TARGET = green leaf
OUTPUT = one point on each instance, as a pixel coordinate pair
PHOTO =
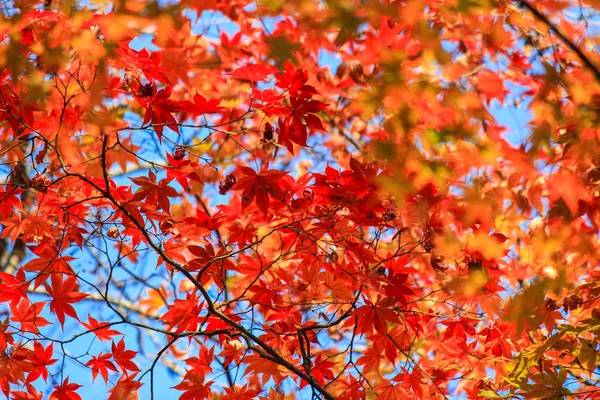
(488, 394)
(281, 49)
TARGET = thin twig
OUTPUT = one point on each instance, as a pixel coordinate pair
(582, 56)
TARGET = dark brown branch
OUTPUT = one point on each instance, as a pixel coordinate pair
(582, 56)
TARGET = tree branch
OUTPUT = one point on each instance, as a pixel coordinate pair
(582, 56)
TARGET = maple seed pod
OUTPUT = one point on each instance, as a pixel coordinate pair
(427, 246)
(39, 182)
(39, 158)
(389, 215)
(166, 225)
(379, 271)
(225, 186)
(551, 304)
(486, 384)
(353, 69)
(321, 77)
(522, 201)
(436, 262)
(146, 90)
(113, 233)
(572, 302)
(268, 133)
(308, 195)
(179, 153)
(474, 265)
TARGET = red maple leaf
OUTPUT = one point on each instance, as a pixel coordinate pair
(232, 351)
(322, 370)
(13, 288)
(49, 261)
(125, 389)
(295, 128)
(123, 357)
(202, 106)
(496, 341)
(194, 387)
(352, 388)
(201, 364)
(371, 358)
(230, 42)
(375, 316)
(294, 81)
(252, 266)
(182, 170)
(240, 393)
(31, 394)
(259, 186)
(9, 201)
(100, 364)
(159, 110)
(66, 391)
(271, 102)
(13, 226)
(100, 329)
(42, 358)
(388, 391)
(491, 86)
(154, 193)
(184, 314)
(242, 233)
(459, 328)
(253, 72)
(28, 315)
(263, 294)
(143, 60)
(63, 294)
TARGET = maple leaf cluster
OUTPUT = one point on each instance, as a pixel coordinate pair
(304, 199)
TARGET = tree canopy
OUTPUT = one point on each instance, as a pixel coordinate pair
(299, 199)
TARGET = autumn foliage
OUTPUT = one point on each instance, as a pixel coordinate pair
(299, 199)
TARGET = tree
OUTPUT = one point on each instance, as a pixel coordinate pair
(299, 199)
